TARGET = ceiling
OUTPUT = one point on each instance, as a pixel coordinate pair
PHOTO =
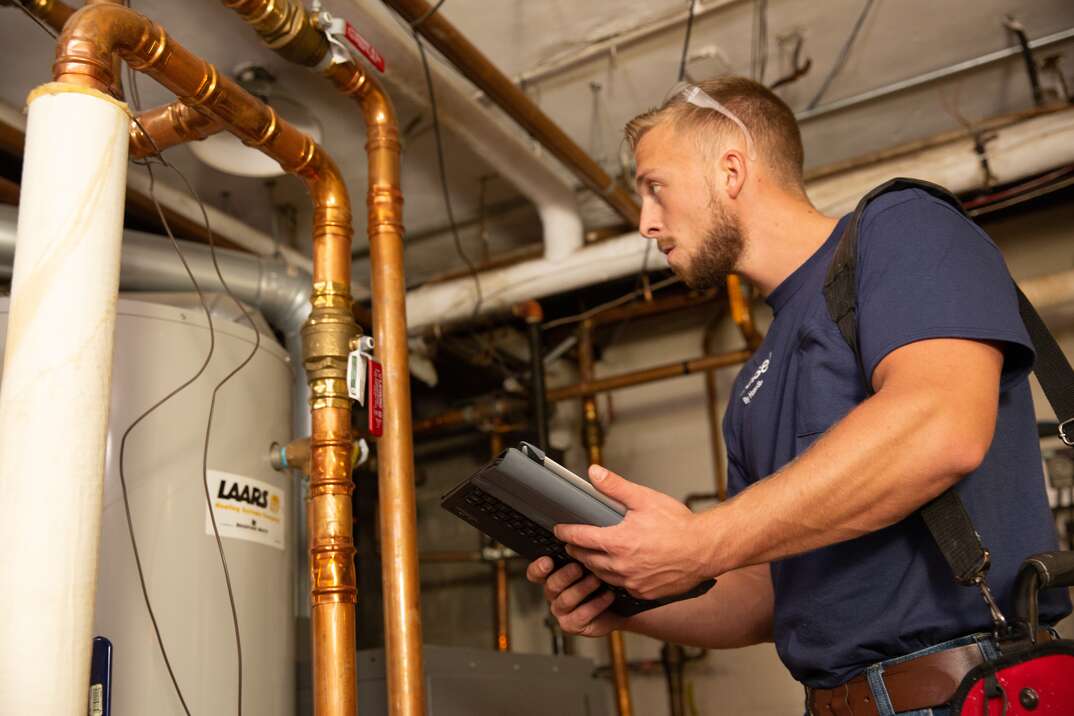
(592, 99)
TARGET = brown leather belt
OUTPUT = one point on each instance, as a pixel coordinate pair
(920, 683)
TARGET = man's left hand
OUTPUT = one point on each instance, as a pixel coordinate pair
(656, 551)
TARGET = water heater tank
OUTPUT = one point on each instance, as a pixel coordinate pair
(157, 348)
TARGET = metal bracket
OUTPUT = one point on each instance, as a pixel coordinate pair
(1066, 432)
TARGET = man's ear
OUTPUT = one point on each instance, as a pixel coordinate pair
(733, 168)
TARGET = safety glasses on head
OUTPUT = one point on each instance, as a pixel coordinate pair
(696, 96)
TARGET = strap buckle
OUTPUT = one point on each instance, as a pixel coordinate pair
(1066, 432)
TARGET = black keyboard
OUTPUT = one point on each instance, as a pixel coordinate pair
(514, 530)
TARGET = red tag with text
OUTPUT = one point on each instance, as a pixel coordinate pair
(362, 45)
(376, 398)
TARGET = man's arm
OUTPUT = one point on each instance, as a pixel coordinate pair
(736, 612)
(929, 423)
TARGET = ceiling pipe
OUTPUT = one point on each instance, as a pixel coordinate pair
(1024, 148)
(294, 33)
(91, 38)
(499, 88)
(510, 153)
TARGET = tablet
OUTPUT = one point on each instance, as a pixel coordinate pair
(522, 494)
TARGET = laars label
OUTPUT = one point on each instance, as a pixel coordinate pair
(246, 509)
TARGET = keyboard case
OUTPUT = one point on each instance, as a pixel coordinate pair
(517, 501)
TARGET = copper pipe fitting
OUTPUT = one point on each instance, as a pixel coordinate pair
(286, 27)
(170, 125)
(529, 311)
(593, 437)
(91, 40)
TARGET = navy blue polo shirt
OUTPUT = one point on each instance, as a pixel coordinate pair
(924, 271)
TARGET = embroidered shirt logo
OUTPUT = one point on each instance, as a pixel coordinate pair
(755, 382)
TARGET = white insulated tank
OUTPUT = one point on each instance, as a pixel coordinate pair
(157, 348)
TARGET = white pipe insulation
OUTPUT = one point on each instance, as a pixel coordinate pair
(55, 394)
(516, 158)
(1022, 149)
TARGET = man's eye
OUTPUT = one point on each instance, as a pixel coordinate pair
(655, 188)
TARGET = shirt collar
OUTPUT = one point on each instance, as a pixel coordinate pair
(790, 285)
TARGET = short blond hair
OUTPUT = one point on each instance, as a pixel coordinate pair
(769, 119)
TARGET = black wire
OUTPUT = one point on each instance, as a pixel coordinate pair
(440, 159)
(428, 13)
(686, 40)
(843, 54)
(29, 13)
(136, 102)
(143, 416)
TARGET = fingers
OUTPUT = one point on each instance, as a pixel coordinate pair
(539, 569)
(573, 595)
(561, 579)
(583, 620)
(586, 536)
(618, 487)
(599, 563)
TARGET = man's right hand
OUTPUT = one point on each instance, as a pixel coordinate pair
(565, 589)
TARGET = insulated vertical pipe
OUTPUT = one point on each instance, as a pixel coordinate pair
(55, 394)
(593, 437)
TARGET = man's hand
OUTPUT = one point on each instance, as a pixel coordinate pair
(565, 589)
(656, 551)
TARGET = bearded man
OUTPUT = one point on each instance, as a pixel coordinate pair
(820, 549)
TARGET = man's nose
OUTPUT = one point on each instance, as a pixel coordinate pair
(650, 225)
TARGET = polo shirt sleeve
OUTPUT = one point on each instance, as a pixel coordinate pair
(926, 271)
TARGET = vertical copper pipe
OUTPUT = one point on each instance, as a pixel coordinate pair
(92, 37)
(288, 28)
(500, 590)
(593, 437)
(395, 455)
(741, 313)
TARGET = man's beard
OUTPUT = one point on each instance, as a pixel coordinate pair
(719, 252)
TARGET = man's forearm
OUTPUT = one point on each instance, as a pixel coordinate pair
(736, 612)
(890, 455)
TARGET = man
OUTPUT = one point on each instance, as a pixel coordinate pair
(819, 549)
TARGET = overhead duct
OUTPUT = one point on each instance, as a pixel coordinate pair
(516, 158)
(149, 263)
(1020, 149)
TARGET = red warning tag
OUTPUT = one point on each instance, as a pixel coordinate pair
(362, 45)
(376, 398)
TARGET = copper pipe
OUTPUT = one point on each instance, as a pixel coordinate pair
(712, 412)
(533, 314)
(648, 375)
(645, 309)
(91, 39)
(501, 595)
(511, 99)
(289, 29)
(593, 437)
(167, 126)
(741, 313)
(480, 413)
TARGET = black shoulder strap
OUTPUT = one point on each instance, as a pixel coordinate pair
(946, 516)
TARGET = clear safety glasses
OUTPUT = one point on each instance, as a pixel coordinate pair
(696, 96)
